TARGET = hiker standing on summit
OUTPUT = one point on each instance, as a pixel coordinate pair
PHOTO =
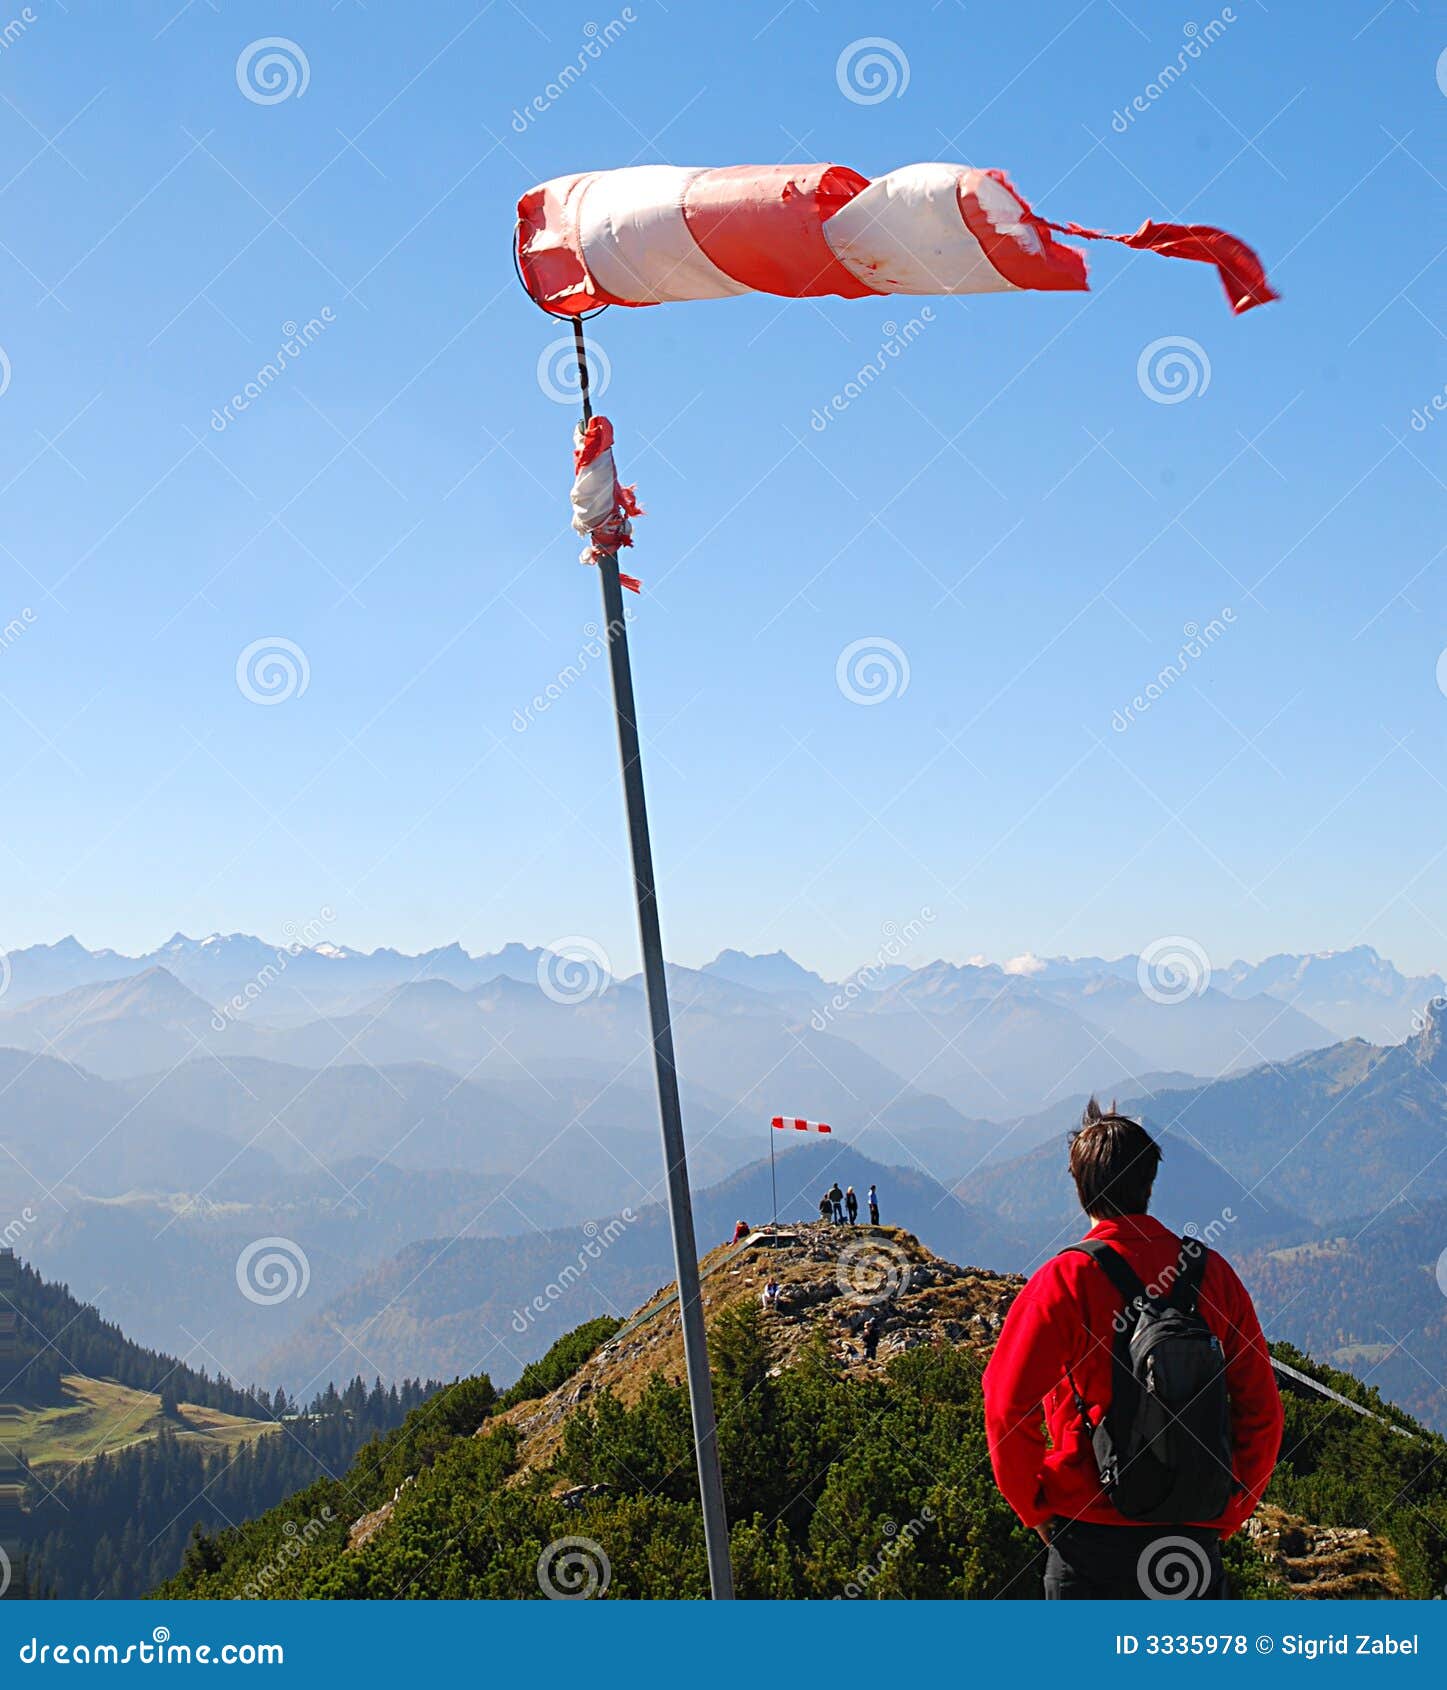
(836, 1199)
(851, 1205)
(1146, 1356)
(873, 1207)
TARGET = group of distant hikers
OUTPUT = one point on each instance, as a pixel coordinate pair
(1131, 1409)
(835, 1204)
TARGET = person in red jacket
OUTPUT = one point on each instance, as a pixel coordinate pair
(1061, 1327)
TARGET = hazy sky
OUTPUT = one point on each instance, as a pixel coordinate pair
(1008, 503)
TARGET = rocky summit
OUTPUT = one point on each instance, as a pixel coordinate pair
(872, 1292)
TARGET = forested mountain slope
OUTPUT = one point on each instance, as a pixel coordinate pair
(111, 1453)
(854, 1458)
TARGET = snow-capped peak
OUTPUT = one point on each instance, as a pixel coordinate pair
(1028, 963)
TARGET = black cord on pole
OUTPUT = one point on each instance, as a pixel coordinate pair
(581, 348)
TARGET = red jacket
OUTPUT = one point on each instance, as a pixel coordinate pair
(1064, 1316)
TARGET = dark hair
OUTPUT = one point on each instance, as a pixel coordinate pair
(1113, 1161)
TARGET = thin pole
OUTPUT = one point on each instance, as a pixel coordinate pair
(773, 1182)
(670, 1114)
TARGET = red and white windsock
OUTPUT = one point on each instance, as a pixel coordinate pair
(655, 233)
(802, 1126)
(603, 508)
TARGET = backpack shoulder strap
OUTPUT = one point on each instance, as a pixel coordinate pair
(1123, 1386)
(1117, 1269)
(1190, 1266)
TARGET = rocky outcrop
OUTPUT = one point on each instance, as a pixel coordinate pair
(871, 1293)
(1322, 1562)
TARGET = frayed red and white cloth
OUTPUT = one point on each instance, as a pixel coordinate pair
(603, 508)
(656, 232)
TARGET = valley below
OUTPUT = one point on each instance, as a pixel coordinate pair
(385, 1170)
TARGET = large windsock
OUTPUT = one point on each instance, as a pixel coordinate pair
(656, 233)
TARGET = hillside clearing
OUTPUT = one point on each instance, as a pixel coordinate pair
(99, 1416)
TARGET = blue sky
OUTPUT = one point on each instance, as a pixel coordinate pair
(1006, 504)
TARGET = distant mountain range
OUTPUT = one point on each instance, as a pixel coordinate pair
(160, 1113)
(992, 1041)
(1347, 1131)
(1354, 993)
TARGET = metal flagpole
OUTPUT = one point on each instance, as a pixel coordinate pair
(773, 1182)
(680, 1204)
